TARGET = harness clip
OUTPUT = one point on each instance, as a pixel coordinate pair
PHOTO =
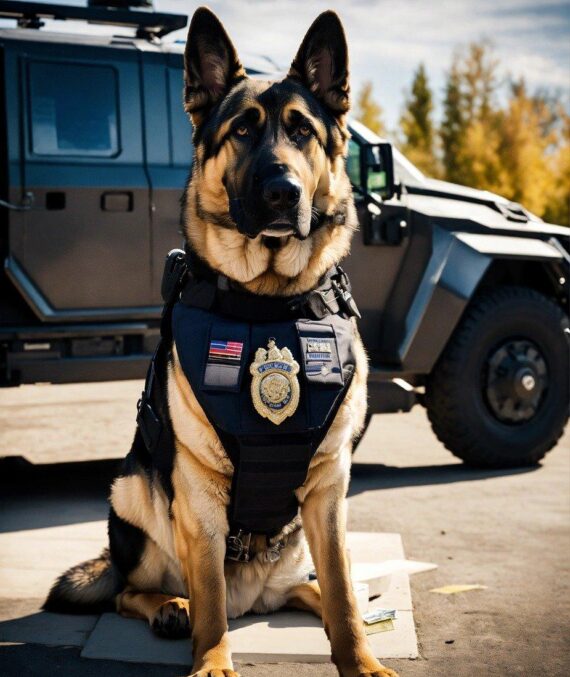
(345, 300)
(237, 547)
(175, 269)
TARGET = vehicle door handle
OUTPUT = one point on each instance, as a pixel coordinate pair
(25, 205)
(114, 201)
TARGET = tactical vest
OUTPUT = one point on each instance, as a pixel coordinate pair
(239, 352)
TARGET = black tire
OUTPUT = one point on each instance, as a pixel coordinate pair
(460, 399)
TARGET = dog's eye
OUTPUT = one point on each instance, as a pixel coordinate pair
(242, 130)
(305, 130)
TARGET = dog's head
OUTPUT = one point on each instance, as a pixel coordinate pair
(269, 203)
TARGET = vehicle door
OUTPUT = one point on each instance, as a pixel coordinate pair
(169, 154)
(376, 261)
(83, 250)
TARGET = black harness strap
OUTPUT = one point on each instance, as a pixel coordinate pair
(153, 420)
(206, 289)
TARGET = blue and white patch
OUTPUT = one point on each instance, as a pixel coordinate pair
(319, 350)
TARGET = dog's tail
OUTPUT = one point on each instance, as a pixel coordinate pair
(86, 588)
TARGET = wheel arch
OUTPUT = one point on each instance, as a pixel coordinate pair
(462, 265)
(541, 276)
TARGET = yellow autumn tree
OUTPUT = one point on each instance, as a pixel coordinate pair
(368, 111)
(477, 160)
(526, 136)
(417, 125)
(557, 209)
(515, 143)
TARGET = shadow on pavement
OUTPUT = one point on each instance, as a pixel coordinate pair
(20, 477)
(31, 660)
(84, 486)
(371, 476)
(56, 494)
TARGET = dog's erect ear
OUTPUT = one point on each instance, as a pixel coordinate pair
(211, 64)
(321, 63)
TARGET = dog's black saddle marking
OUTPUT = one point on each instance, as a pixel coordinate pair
(216, 329)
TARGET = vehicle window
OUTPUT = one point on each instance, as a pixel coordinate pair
(375, 180)
(353, 163)
(73, 109)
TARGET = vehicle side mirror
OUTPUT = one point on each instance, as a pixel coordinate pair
(370, 167)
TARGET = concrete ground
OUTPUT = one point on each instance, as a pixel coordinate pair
(507, 530)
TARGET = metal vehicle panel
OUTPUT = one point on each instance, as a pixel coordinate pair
(89, 219)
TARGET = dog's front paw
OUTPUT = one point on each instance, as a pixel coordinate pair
(383, 672)
(368, 670)
(216, 672)
(172, 620)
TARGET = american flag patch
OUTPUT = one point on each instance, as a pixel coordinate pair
(225, 351)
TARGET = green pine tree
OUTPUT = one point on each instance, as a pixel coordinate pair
(453, 124)
(417, 126)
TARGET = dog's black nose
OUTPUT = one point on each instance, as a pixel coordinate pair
(282, 192)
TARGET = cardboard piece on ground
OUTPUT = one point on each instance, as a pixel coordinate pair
(285, 636)
(398, 596)
(362, 571)
(49, 629)
(362, 594)
(372, 574)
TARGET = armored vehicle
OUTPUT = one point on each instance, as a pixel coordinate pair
(463, 294)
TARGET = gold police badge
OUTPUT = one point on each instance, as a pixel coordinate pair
(274, 387)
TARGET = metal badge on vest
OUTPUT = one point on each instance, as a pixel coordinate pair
(274, 386)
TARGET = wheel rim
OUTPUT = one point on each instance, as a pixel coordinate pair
(516, 381)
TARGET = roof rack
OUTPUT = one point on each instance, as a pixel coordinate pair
(148, 25)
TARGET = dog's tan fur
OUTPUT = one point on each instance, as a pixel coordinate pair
(185, 542)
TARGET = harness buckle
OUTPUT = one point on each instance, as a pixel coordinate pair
(273, 552)
(237, 546)
(345, 299)
(175, 269)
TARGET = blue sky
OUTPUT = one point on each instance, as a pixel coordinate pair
(388, 38)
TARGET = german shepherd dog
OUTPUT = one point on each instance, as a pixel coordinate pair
(277, 150)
